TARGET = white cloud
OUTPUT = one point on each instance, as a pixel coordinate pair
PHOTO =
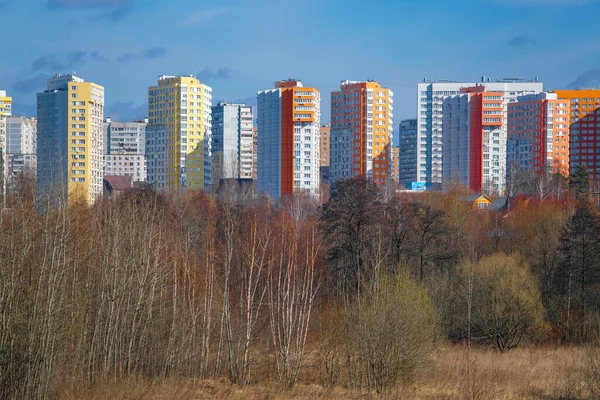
(204, 16)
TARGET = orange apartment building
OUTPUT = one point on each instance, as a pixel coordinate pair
(584, 129)
(538, 134)
(288, 142)
(361, 131)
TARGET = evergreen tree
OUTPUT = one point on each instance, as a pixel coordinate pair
(580, 181)
(579, 272)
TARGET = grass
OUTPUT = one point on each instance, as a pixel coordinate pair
(455, 373)
(524, 373)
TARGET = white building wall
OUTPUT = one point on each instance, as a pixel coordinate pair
(456, 133)
(96, 122)
(126, 165)
(430, 118)
(156, 156)
(340, 153)
(21, 146)
(246, 121)
(232, 142)
(307, 138)
(430, 127)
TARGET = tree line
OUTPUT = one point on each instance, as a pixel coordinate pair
(231, 285)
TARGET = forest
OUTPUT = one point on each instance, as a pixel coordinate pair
(373, 294)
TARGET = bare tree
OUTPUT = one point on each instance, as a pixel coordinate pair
(349, 220)
(292, 287)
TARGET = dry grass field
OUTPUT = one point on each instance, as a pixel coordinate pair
(454, 373)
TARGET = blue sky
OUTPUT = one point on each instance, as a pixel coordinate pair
(241, 46)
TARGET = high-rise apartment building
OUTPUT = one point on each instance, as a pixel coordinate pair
(183, 106)
(254, 152)
(21, 146)
(407, 153)
(156, 156)
(125, 148)
(288, 139)
(70, 115)
(584, 134)
(325, 143)
(5, 112)
(324, 166)
(430, 99)
(474, 133)
(232, 142)
(361, 131)
(395, 165)
(5, 104)
(538, 134)
(124, 137)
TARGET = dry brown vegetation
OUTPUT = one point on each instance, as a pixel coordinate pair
(371, 295)
(525, 373)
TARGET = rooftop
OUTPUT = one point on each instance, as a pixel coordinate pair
(289, 83)
(487, 79)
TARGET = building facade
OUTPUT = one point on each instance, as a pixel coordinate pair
(475, 140)
(361, 131)
(325, 160)
(584, 133)
(70, 115)
(430, 100)
(121, 164)
(21, 146)
(232, 142)
(125, 149)
(254, 152)
(538, 134)
(156, 156)
(407, 153)
(5, 112)
(182, 104)
(288, 139)
(5, 104)
(127, 137)
(395, 165)
(325, 143)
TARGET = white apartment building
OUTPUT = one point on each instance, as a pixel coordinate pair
(5, 111)
(430, 98)
(156, 156)
(21, 146)
(232, 142)
(124, 149)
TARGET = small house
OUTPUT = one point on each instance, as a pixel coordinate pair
(478, 201)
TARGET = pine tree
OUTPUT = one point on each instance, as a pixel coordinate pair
(579, 270)
(580, 181)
